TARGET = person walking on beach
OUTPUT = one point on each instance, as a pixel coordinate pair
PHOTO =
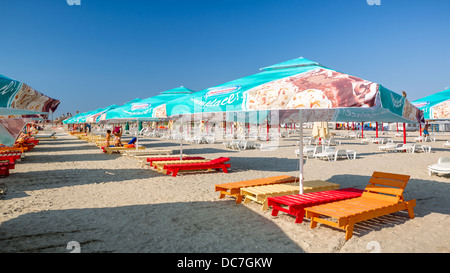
(425, 131)
(118, 137)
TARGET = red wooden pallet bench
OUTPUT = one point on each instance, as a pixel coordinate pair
(5, 166)
(218, 163)
(11, 158)
(152, 159)
(298, 202)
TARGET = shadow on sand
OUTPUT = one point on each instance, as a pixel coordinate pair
(189, 227)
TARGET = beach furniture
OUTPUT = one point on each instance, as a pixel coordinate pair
(443, 166)
(147, 152)
(218, 163)
(295, 204)
(447, 144)
(388, 147)
(110, 150)
(51, 136)
(160, 163)
(234, 188)
(332, 154)
(5, 166)
(11, 158)
(161, 166)
(382, 196)
(173, 158)
(261, 193)
(409, 148)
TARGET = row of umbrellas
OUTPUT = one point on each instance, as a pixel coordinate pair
(19, 103)
(298, 90)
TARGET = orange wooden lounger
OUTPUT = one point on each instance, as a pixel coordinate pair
(383, 195)
(234, 188)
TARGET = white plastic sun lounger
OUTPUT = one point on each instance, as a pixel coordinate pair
(443, 166)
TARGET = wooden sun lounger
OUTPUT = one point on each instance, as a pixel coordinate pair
(261, 193)
(172, 158)
(5, 166)
(296, 204)
(148, 152)
(234, 188)
(383, 195)
(110, 150)
(218, 163)
(161, 166)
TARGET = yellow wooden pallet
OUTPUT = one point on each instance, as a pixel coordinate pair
(110, 150)
(260, 193)
(149, 152)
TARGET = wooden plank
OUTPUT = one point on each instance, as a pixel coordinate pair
(388, 182)
(385, 190)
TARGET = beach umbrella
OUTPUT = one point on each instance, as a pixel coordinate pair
(10, 130)
(435, 106)
(18, 95)
(301, 90)
(150, 109)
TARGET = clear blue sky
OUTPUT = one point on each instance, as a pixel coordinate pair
(107, 52)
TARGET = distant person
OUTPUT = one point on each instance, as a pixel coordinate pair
(118, 137)
(108, 137)
(425, 131)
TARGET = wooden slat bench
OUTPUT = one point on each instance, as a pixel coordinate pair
(296, 204)
(383, 195)
(261, 193)
(234, 188)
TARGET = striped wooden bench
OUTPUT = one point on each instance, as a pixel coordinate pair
(234, 188)
(261, 193)
(295, 204)
(383, 195)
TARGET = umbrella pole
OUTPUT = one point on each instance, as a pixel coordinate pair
(362, 129)
(377, 128)
(404, 133)
(301, 153)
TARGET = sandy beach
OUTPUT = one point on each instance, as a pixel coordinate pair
(67, 190)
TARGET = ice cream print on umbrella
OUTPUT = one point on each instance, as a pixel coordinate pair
(318, 88)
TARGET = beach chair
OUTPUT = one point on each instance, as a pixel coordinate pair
(159, 165)
(110, 150)
(260, 194)
(51, 136)
(234, 188)
(447, 144)
(295, 204)
(154, 159)
(383, 196)
(388, 147)
(327, 153)
(442, 167)
(409, 148)
(218, 163)
(5, 166)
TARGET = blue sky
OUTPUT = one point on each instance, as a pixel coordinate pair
(106, 52)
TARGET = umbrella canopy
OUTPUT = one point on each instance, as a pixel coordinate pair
(146, 109)
(300, 90)
(300, 83)
(10, 130)
(435, 106)
(15, 94)
(95, 116)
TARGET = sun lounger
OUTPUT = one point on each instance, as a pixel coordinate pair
(447, 144)
(383, 195)
(147, 152)
(388, 147)
(11, 158)
(261, 193)
(155, 159)
(110, 150)
(160, 165)
(234, 188)
(443, 166)
(296, 204)
(52, 136)
(218, 163)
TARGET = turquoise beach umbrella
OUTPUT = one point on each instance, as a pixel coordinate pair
(299, 90)
(435, 106)
(145, 109)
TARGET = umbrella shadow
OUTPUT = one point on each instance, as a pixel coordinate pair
(32, 180)
(179, 227)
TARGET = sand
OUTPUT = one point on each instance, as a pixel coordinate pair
(67, 190)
